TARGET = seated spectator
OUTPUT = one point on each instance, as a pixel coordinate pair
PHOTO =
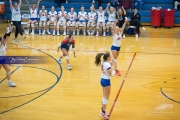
(127, 6)
(114, 3)
(138, 4)
(135, 21)
(176, 3)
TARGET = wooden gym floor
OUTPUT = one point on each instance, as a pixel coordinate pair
(148, 89)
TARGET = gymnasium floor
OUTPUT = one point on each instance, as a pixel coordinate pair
(148, 89)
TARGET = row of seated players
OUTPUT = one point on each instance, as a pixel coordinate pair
(62, 18)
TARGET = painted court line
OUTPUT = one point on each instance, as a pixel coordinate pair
(121, 85)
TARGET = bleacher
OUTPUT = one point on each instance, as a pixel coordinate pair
(145, 13)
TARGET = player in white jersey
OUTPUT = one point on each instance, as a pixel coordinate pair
(82, 16)
(107, 73)
(52, 20)
(33, 17)
(117, 39)
(62, 20)
(72, 16)
(101, 19)
(91, 21)
(111, 19)
(16, 18)
(3, 63)
(43, 19)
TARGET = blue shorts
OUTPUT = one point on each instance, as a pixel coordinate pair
(115, 48)
(67, 48)
(33, 19)
(105, 82)
(81, 21)
(71, 20)
(2, 61)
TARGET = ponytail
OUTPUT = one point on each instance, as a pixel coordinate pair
(98, 58)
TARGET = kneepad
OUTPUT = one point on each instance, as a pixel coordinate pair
(8, 73)
(67, 57)
(115, 60)
(104, 101)
(32, 25)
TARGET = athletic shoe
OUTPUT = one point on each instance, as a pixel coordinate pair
(67, 32)
(27, 32)
(32, 33)
(136, 35)
(23, 36)
(16, 40)
(11, 84)
(43, 33)
(48, 32)
(77, 32)
(39, 33)
(84, 33)
(88, 32)
(64, 34)
(97, 34)
(73, 32)
(69, 67)
(92, 32)
(54, 33)
(104, 115)
(104, 34)
(107, 33)
(58, 33)
(124, 36)
(59, 60)
(143, 28)
(118, 73)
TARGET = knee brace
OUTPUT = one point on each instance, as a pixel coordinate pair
(115, 60)
(32, 25)
(67, 57)
(104, 101)
(8, 73)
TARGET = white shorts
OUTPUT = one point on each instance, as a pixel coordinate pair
(101, 21)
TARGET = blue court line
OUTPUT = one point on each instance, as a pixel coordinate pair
(11, 74)
(168, 97)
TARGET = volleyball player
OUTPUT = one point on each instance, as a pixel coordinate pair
(82, 16)
(43, 20)
(3, 48)
(91, 21)
(111, 18)
(72, 16)
(107, 73)
(64, 45)
(16, 18)
(101, 19)
(62, 20)
(117, 39)
(52, 20)
(33, 17)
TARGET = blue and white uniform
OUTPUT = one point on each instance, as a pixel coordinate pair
(117, 40)
(101, 16)
(33, 14)
(105, 76)
(62, 18)
(84, 15)
(72, 16)
(112, 17)
(43, 16)
(52, 15)
(91, 16)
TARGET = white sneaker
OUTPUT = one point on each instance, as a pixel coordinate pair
(54, 33)
(23, 36)
(64, 34)
(124, 36)
(39, 33)
(77, 32)
(92, 32)
(48, 32)
(57, 33)
(67, 32)
(97, 34)
(69, 67)
(59, 60)
(104, 34)
(16, 40)
(88, 32)
(84, 33)
(32, 33)
(11, 84)
(136, 35)
(143, 28)
(73, 32)
(27, 32)
(43, 33)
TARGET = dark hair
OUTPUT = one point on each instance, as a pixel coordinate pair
(0, 38)
(98, 58)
